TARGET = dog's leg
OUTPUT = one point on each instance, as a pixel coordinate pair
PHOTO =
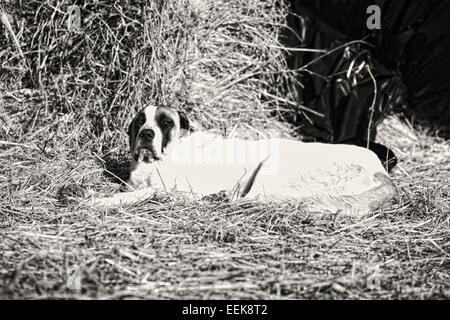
(348, 204)
(74, 192)
(358, 204)
(373, 199)
(122, 199)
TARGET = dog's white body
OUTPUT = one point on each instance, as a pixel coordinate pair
(326, 177)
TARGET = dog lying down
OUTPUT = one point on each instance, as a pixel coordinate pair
(325, 177)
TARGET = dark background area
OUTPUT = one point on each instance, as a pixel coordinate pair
(409, 57)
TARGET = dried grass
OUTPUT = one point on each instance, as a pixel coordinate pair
(217, 62)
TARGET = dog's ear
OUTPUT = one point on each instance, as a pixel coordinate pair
(130, 127)
(184, 121)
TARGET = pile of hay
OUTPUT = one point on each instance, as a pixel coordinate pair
(221, 61)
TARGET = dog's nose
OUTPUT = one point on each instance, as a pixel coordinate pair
(148, 134)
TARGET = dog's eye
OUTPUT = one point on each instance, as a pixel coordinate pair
(139, 121)
(166, 123)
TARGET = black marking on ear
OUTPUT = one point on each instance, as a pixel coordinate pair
(130, 127)
(137, 122)
(184, 121)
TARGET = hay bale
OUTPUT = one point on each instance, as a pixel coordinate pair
(221, 61)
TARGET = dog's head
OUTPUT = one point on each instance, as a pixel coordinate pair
(152, 130)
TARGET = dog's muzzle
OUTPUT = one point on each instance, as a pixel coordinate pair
(145, 149)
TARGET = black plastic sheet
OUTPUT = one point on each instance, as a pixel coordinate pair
(408, 57)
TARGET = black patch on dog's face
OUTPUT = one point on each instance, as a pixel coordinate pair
(169, 122)
(135, 126)
(167, 125)
(184, 121)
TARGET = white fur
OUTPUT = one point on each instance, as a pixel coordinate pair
(324, 176)
(150, 123)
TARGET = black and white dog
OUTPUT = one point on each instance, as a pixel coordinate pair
(166, 157)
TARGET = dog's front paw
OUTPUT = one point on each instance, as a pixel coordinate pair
(70, 193)
(221, 196)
